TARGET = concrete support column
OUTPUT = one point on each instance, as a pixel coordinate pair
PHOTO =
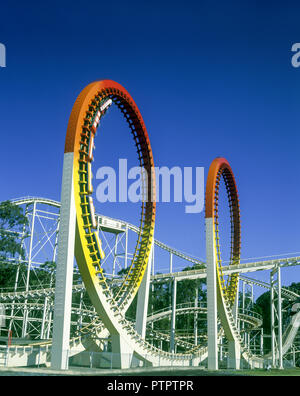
(234, 355)
(121, 352)
(143, 302)
(64, 272)
(212, 324)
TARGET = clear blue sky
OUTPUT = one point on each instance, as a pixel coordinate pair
(210, 78)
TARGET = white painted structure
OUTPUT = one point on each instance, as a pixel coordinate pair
(287, 337)
(211, 271)
(64, 272)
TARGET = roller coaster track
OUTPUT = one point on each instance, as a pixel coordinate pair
(28, 348)
(96, 327)
(88, 110)
(107, 219)
(35, 293)
(226, 292)
(25, 350)
(80, 134)
(251, 317)
(191, 274)
(290, 333)
(289, 294)
(198, 273)
(237, 268)
(248, 316)
(163, 277)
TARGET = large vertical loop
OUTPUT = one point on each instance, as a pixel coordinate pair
(220, 168)
(90, 106)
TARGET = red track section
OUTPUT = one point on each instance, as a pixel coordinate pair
(85, 117)
(220, 168)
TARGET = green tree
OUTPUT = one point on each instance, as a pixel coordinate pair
(13, 222)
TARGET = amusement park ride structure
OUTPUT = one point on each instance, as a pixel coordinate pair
(75, 227)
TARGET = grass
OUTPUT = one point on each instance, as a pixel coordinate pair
(146, 372)
(274, 372)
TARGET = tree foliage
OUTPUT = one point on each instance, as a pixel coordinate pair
(13, 223)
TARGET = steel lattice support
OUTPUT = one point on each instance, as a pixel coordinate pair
(276, 317)
(173, 317)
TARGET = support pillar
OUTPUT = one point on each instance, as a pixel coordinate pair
(170, 271)
(115, 255)
(173, 317)
(64, 272)
(276, 318)
(18, 270)
(143, 302)
(171, 263)
(235, 308)
(196, 317)
(280, 350)
(243, 310)
(126, 246)
(121, 352)
(45, 310)
(25, 317)
(212, 324)
(234, 355)
(262, 341)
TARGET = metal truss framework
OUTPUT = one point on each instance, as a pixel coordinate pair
(221, 297)
(38, 297)
(108, 281)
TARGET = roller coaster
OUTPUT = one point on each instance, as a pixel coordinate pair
(78, 310)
